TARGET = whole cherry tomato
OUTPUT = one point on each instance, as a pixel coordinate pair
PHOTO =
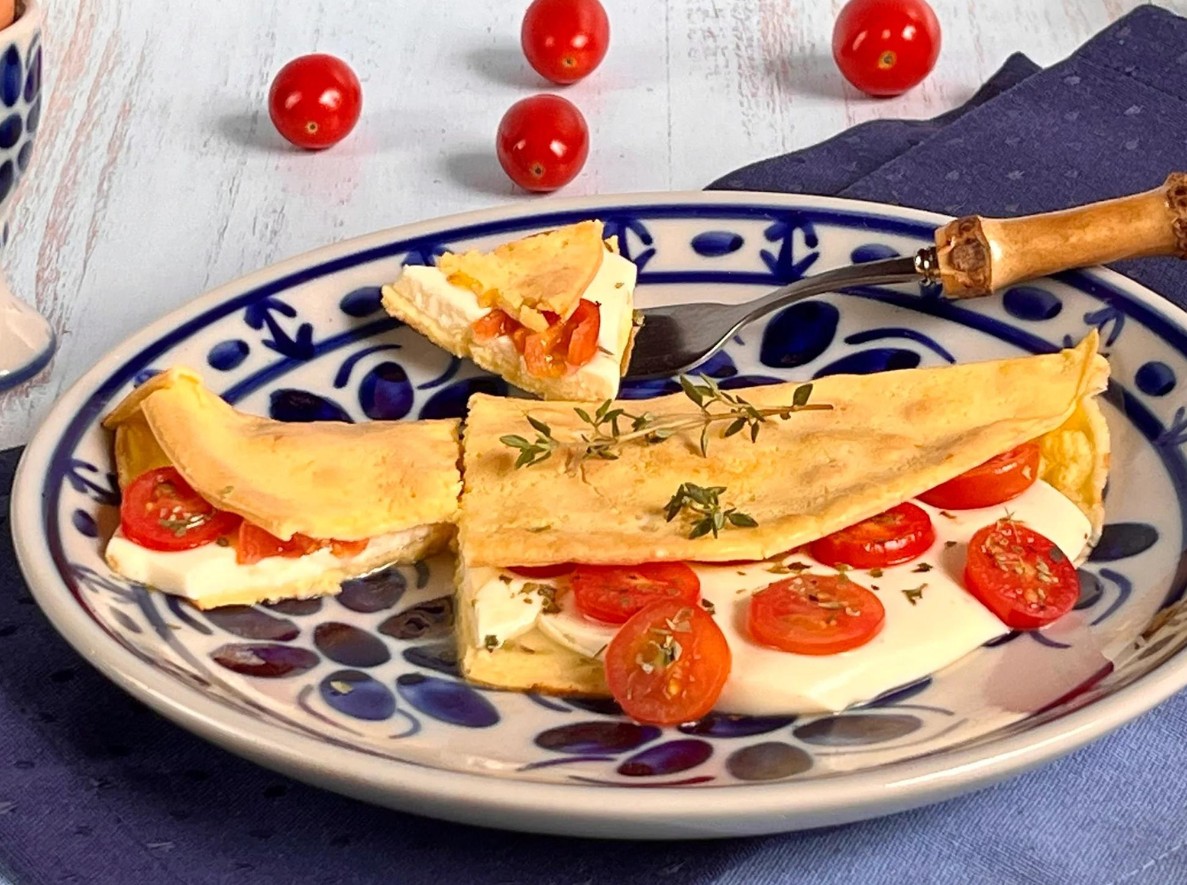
(884, 47)
(564, 40)
(315, 101)
(543, 142)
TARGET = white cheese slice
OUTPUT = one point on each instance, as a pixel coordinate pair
(505, 606)
(944, 623)
(210, 570)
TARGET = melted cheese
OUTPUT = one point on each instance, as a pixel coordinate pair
(944, 623)
(208, 571)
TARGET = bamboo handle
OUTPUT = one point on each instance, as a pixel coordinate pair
(978, 255)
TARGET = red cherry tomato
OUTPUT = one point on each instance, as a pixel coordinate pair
(493, 325)
(668, 663)
(543, 142)
(898, 535)
(814, 615)
(583, 327)
(161, 511)
(315, 101)
(1020, 576)
(551, 353)
(564, 40)
(884, 47)
(999, 479)
(612, 593)
(254, 544)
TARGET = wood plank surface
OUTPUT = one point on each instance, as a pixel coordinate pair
(158, 175)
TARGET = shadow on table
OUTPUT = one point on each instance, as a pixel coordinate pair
(505, 64)
(251, 129)
(478, 170)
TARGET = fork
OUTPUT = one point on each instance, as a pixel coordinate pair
(972, 256)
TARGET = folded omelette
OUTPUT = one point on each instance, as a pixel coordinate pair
(885, 439)
(393, 484)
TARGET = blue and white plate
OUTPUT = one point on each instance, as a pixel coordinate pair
(360, 693)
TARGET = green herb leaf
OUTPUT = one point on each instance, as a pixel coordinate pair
(915, 594)
(604, 438)
(735, 427)
(704, 504)
(539, 425)
(693, 392)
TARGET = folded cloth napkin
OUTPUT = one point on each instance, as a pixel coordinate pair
(1109, 120)
(96, 788)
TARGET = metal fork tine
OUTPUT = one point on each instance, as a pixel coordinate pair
(677, 337)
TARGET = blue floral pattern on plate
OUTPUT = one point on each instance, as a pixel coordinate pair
(374, 671)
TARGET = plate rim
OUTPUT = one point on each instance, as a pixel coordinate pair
(556, 808)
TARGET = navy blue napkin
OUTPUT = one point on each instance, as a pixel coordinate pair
(94, 787)
(1110, 120)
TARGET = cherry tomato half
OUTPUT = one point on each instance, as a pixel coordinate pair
(668, 663)
(564, 40)
(613, 593)
(884, 47)
(999, 479)
(254, 544)
(1020, 576)
(814, 615)
(315, 101)
(542, 142)
(583, 326)
(161, 511)
(898, 535)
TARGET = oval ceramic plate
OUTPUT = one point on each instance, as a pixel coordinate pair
(359, 693)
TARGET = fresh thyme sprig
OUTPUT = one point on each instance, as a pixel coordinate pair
(532, 451)
(607, 432)
(709, 515)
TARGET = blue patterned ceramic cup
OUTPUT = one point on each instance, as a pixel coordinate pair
(26, 340)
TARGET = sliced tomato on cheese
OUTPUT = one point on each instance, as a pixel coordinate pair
(493, 325)
(814, 615)
(544, 352)
(898, 535)
(613, 593)
(551, 353)
(1020, 575)
(254, 544)
(161, 511)
(996, 481)
(585, 325)
(668, 663)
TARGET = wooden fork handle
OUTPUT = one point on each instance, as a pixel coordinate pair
(976, 255)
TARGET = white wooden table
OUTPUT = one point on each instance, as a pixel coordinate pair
(158, 174)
